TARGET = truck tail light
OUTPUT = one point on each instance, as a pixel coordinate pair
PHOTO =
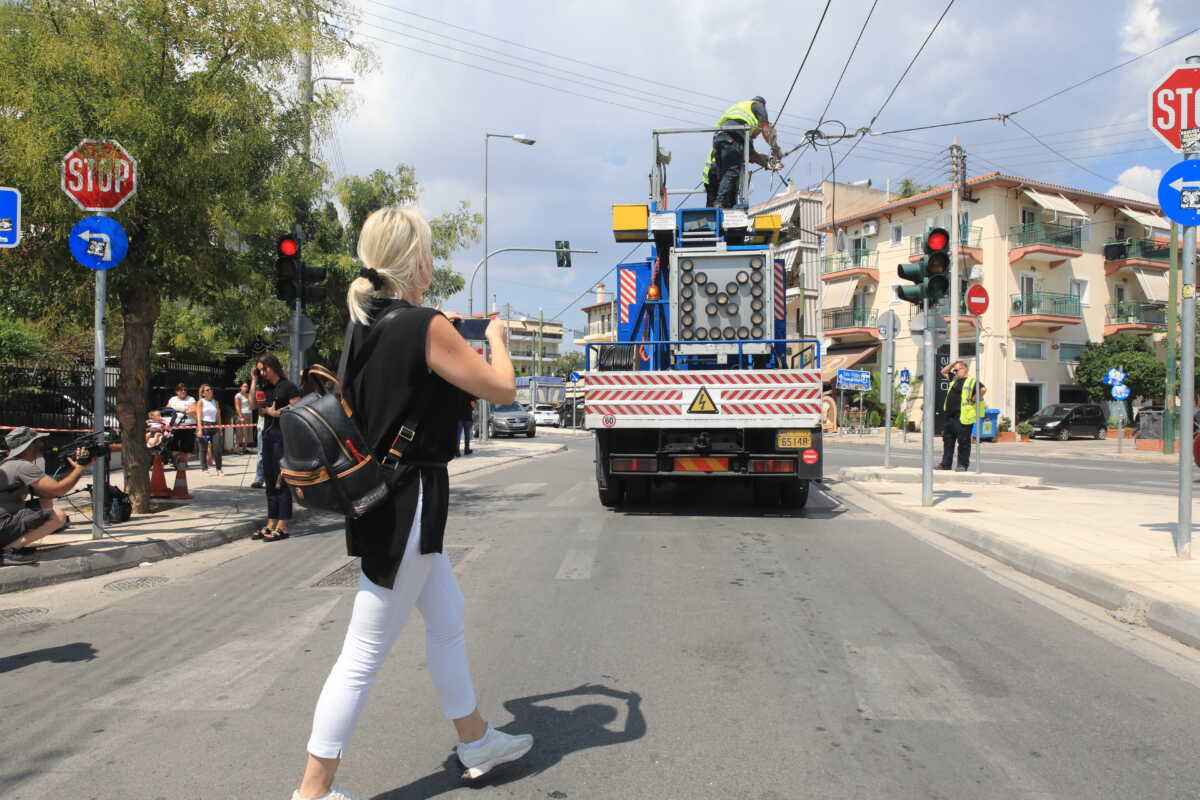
(634, 464)
(772, 465)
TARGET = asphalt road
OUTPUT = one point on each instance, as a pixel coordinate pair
(1125, 476)
(723, 651)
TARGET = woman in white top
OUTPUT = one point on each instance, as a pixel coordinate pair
(244, 413)
(208, 432)
(183, 442)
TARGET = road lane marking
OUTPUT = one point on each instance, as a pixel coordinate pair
(231, 677)
(577, 565)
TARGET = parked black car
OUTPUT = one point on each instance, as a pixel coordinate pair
(1064, 420)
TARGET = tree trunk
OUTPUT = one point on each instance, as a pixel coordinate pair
(140, 306)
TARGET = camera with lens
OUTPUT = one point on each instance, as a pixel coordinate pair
(95, 444)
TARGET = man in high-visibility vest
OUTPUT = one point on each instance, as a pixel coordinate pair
(723, 171)
(962, 406)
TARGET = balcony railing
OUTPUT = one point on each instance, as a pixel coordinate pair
(852, 259)
(967, 237)
(1146, 249)
(1059, 305)
(1045, 233)
(1136, 311)
(847, 318)
(943, 306)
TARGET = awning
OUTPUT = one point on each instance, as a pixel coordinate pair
(838, 294)
(1146, 218)
(1154, 284)
(1055, 202)
(844, 357)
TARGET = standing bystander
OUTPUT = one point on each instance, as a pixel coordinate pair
(183, 442)
(278, 395)
(961, 407)
(208, 430)
(243, 414)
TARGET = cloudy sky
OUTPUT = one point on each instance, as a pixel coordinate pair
(590, 80)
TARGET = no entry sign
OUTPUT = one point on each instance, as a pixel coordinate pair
(99, 175)
(977, 300)
(1175, 105)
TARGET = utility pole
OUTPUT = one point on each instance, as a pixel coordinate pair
(956, 180)
(1169, 417)
(541, 341)
(928, 402)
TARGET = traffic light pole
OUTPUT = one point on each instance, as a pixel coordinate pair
(955, 248)
(929, 371)
(294, 365)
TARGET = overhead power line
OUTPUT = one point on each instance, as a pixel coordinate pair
(804, 60)
(1060, 155)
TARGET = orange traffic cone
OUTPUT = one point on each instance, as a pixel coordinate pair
(158, 478)
(180, 492)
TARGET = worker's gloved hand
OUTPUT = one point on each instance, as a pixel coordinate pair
(774, 164)
(776, 153)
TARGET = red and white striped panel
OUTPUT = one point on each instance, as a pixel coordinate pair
(726, 378)
(730, 395)
(770, 408)
(634, 395)
(635, 410)
(780, 289)
(626, 292)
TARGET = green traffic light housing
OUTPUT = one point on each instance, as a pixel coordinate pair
(931, 275)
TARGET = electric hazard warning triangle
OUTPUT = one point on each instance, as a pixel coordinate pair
(702, 403)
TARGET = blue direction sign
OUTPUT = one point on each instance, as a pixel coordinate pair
(1120, 392)
(575, 376)
(99, 242)
(1114, 377)
(905, 376)
(856, 380)
(1179, 193)
(10, 217)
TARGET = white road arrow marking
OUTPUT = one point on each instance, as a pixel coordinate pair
(87, 236)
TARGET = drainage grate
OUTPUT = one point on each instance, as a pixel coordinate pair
(15, 616)
(131, 584)
(348, 574)
(963, 510)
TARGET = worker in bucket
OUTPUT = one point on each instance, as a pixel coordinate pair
(722, 173)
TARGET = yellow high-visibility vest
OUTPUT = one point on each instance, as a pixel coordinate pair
(968, 412)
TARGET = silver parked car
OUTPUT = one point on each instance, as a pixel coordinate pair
(510, 420)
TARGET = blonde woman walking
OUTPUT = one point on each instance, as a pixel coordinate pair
(407, 360)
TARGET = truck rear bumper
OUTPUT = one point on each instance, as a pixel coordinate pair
(764, 466)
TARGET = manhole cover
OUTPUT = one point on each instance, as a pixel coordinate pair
(130, 584)
(15, 616)
(963, 510)
(348, 574)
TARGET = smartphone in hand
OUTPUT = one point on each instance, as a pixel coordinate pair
(472, 329)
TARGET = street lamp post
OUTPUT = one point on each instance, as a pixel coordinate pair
(520, 138)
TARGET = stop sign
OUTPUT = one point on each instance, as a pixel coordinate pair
(1175, 105)
(99, 175)
(977, 300)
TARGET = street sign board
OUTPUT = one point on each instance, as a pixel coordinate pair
(308, 332)
(99, 175)
(574, 378)
(904, 389)
(10, 217)
(888, 324)
(905, 375)
(1175, 105)
(977, 300)
(98, 242)
(1114, 377)
(1120, 392)
(1179, 193)
(856, 380)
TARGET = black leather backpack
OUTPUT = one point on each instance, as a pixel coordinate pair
(327, 461)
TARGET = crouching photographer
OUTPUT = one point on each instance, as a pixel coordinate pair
(22, 473)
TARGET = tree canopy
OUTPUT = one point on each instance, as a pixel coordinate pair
(1146, 376)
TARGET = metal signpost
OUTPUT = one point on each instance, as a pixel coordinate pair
(977, 304)
(1175, 118)
(10, 217)
(99, 176)
(1115, 378)
(888, 324)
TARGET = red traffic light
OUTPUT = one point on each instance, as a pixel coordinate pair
(936, 239)
(287, 246)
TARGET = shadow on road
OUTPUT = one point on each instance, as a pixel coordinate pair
(556, 733)
(62, 654)
(701, 497)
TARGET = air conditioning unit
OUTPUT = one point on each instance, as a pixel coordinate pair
(870, 228)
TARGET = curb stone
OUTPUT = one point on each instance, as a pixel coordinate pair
(61, 570)
(1180, 621)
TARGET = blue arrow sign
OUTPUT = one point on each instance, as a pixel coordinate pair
(10, 217)
(99, 242)
(854, 379)
(575, 376)
(1114, 377)
(905, 376)
(1179, 193)
(1120, 392)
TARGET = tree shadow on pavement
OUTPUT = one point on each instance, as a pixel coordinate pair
(61, 654)
(556, 734)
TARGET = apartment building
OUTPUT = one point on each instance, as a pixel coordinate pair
(1038, 249)
(799, 245)
(532, 345)
(601, 319)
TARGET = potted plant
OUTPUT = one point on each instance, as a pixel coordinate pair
(1024, 430)
(1004, 431)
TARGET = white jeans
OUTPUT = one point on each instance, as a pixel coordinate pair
(424, 581)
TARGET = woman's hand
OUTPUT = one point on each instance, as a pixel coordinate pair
(449, 355)
(497, 334)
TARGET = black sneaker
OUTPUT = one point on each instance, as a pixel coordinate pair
(256, 485)
(941, 467)
(11, 558)
(960, 468)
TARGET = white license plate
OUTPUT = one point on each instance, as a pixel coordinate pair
(792, 440)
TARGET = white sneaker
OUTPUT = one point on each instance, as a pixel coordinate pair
(334, 794)
(500, 748)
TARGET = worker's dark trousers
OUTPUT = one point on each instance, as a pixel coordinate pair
(955, 431)
(730, 149)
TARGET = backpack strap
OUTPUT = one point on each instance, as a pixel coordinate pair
(408, 429)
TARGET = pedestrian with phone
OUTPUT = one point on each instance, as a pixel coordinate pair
(407, 364)
(273, 393)
(961, 407)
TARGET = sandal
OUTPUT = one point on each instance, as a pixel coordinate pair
(275, 535)
(261, 532)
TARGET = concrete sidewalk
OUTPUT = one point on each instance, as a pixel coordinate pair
(223, 508)
(1090, 449)
(1095, 544)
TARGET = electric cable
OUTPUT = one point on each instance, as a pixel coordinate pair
(804, 60)
(1063, 157)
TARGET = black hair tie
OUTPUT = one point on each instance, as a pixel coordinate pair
(373, 276)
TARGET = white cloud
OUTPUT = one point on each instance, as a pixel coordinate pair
(1139, 183)
(1144, 28)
